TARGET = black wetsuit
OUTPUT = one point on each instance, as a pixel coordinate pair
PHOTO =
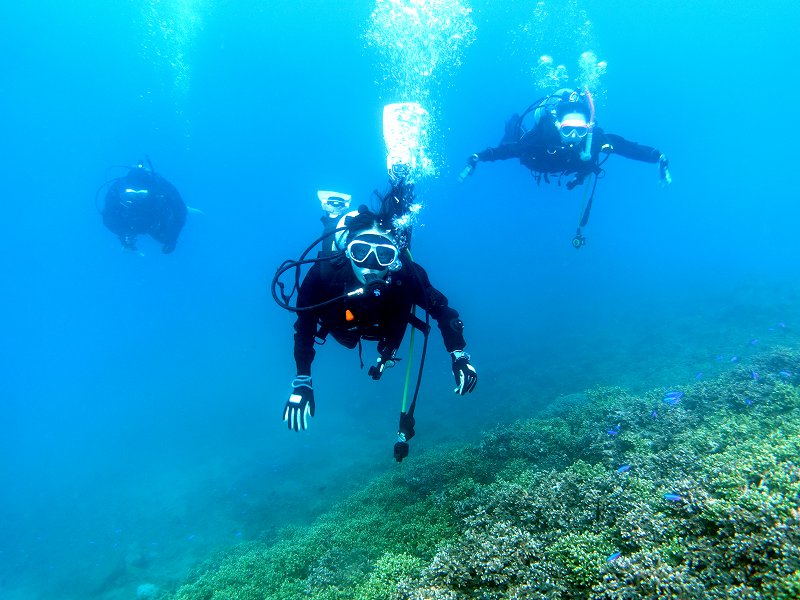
(543, 152)
(382, 317)
(142, 203)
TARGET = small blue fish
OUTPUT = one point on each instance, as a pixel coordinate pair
(754, 342)
(734, 358)
(698, 375)
(614, 556)
(755, 375)
(673, 394)
(748, 401)
(654, 414)
(613, 431)
(785, 374)
(624, 469)
(673, 497)
(672, 400)
(782, 325)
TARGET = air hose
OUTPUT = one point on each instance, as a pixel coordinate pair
(406, 426)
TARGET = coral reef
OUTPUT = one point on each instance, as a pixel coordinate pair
(690, 494)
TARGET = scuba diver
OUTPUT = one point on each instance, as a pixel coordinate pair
(364, 285)
(557, 135)
(142, 202)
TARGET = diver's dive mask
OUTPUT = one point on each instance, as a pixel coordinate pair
(573, 128)
(372, 254)
(360, 249)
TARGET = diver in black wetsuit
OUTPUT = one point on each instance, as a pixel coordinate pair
(142, 202)
(557, 136)
(366, 289)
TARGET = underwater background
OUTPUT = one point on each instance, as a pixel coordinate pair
(142, 394)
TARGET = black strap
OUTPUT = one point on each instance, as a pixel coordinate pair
(405, 428)
(425, 330)
(322, 333)
(588, 209)
(419, 324)
(407, 421)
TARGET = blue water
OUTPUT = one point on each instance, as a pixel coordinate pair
(142, 395)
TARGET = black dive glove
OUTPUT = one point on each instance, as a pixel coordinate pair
(663, 170)
(472, 162)
(300, 404)
(465, 374)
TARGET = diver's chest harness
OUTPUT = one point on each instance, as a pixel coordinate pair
(543, 164)
(370, 312)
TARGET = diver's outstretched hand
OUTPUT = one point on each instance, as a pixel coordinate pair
(468, 169)
(300, 404)
(664, 176)
(465, 374)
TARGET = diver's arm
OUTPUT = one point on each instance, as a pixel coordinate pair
(466, 378)
(502, 152)
(446, 317)
(168, 195)
(619, 145)
(304, 352)
(167, 213)
(305, 327)
(176, 217)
